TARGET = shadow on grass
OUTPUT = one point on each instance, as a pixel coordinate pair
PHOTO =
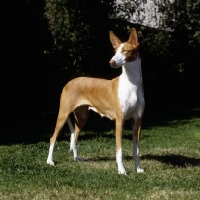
(174, 160)
(177, 161)
(100, 159)
(37, 129)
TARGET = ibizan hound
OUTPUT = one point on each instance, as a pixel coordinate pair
(119, 99)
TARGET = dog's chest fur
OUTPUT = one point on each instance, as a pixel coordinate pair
(130, 89)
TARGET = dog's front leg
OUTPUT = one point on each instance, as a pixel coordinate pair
(119, 127)
(136, 124)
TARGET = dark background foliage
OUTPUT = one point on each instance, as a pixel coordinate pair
(45, 44)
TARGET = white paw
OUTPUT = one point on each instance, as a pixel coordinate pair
(50, 162)
(121, 170)
(78, 159)
(139, 170)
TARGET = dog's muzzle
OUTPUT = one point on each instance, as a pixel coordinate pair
(113, 64)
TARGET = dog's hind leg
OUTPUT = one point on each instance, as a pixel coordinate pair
(136, 125)
(63, 114)
(60, 122)
(81, 115)
(62, 117)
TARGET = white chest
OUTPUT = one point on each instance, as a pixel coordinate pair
(127, 98)
(130, 93)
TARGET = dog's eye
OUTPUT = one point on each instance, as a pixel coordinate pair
(125, 51)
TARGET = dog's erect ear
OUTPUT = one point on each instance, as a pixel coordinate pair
(114, 40)
(133, 38)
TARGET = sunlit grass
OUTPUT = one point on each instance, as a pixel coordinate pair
(170, 156)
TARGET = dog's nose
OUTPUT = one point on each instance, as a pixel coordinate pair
(112, 63)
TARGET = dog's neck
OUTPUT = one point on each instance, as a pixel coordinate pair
(131, 72)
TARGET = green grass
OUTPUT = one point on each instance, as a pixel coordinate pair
(170, 156)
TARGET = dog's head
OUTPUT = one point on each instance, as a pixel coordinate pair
(124, 52)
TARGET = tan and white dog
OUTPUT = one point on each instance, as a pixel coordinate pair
(119, 99)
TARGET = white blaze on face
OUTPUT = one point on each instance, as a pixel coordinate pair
(119, 58)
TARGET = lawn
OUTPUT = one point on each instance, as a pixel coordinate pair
(170, 156)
